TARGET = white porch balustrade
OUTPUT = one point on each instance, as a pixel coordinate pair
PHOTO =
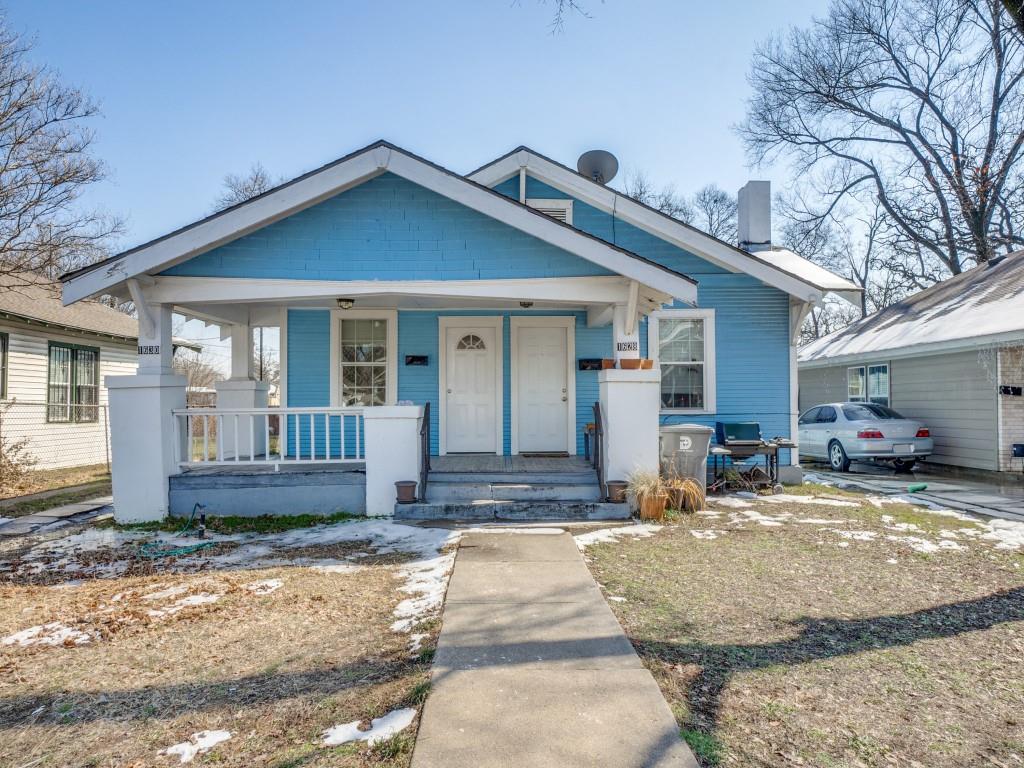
(276, 436)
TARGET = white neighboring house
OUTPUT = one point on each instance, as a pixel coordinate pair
(53, 360)
(951, 356)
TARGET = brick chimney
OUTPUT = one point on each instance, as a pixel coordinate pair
(754, 216)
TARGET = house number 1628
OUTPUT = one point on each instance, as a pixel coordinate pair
(627, 346)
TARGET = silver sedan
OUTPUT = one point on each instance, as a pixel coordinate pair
(844, 432)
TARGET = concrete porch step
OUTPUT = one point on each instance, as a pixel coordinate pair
(578, 476)
(512, 490)
(481, 510)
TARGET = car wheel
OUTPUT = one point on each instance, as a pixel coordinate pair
(904, 465)
(837, 457)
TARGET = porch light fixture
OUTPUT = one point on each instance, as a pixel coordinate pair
(345, 303)
(525, 304)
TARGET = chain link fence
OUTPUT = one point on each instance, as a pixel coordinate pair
(53, 436)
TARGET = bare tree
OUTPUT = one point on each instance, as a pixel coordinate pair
(1016, 10)
(715, 212)
(638, 186)
(241, 187)
(199, 373)
(918, 104)
(46, 163)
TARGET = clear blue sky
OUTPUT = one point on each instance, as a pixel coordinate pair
(193, 90)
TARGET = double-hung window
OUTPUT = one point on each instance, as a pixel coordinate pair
(73, 383)
(682, 341)
(868, 383)
(366, 366)
(4, 353)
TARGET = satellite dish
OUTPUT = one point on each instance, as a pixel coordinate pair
(598, 165)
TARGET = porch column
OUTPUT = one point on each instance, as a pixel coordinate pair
(626, 331)
(630, 402)
(142, 435)
(242, 391)
(392, 446)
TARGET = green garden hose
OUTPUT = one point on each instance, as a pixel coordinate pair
(151, 549)
(917, 487)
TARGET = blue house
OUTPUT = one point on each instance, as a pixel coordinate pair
(450, 331)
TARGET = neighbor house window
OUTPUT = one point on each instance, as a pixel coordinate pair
(868, 383)
(4, 342)
(683, 343)
(366, 355)
(73, 383)
(855, 386)
(878, 383)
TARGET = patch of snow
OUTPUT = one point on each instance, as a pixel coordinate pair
(264, 587)
(816, 521)
(705, 534)
(856, 535)
(203, 598)
(754, 516)
(416, 642)
(729, 501)
(925, 545)
(892, 561)
(1008, 533)
(197, 744)
(381, 729)
(160, 595)
(427, 580)
(792, 498)
(55, 633)
(616, 599)
(610, 535)
(843, 544)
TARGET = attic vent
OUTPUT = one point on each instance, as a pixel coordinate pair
(556, 209)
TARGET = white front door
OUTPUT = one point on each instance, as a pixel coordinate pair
(471, 391)
(542, 388)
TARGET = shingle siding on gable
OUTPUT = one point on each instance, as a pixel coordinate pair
(387, 229)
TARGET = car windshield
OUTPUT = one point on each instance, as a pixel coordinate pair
(868, 412)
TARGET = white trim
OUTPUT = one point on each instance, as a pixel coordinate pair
(342, 175)
(568, 322)
(444, 322)
(545, 204)
(917, 350)
(391, 368)
(282, 374)
(710, 377)
(626, 209)
(999, 415)
(217, 293)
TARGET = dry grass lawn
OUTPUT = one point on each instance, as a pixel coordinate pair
(165, 661)
(816, 635)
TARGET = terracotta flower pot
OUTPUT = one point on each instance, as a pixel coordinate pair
(629, 363)
(406, 490)
(616, 491)
(647, 364)
(652, 506)
(608, 362)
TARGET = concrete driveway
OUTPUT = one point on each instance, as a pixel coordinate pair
(996, 499)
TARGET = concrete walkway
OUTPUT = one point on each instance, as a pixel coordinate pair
(532, 668)
(56, 517)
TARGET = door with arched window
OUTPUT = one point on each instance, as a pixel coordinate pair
(471, 386)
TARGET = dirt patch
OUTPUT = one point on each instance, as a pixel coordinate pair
(274, 656)
(49, 479)
(806, 633)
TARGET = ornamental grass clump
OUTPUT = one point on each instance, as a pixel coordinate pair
(648, 493)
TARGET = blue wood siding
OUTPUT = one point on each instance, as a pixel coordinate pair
(308, 368)
(751, 319)
(387, 229)
(309, 386)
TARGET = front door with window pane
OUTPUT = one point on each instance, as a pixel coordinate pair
(471, 396)
(364, 363)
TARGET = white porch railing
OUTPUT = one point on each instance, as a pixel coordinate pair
(228, 436)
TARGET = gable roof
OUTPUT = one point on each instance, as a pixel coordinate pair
(35, 299)
(984, 305)
(347, 172)
(779, 268)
